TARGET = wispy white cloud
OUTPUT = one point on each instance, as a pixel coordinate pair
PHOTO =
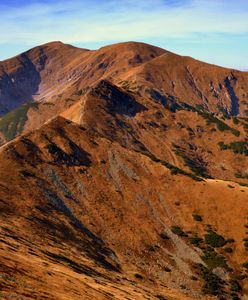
(96, 21)
(87, 21)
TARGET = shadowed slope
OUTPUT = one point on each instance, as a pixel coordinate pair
(214, 88)
(25, 77)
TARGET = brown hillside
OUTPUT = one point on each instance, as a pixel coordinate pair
(125, 178)
(78, 205)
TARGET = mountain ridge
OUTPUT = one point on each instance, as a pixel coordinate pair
(125, 177)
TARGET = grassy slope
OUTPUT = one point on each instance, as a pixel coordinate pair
(13, 123)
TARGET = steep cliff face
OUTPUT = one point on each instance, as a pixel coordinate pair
(18, 87)
(25, 78)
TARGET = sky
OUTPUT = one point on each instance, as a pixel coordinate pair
(215, 31)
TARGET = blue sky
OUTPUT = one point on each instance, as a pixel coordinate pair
(215, 31)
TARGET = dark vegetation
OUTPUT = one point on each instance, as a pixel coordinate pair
(174, 170)
(164, 236)
(240, 147)
(212, 285)
(195, 163)
(26, 173)
(213, 239)
(234, 285)
(245, 240)
(166, 269)
(160, 297)
(138, 276)
(245, 265)
(76, 157)
(213, 259)
(168, 101)
(178, 231)
(197, 217)
(195, 240)
(13, 123)
(240, 175)
(210, 118)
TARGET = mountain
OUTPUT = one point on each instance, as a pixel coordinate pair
(124, 177)
(50, 78)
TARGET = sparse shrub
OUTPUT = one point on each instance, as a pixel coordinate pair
(242, 184)
(211, 119)
(213, 259)
(235, 286)
(178, 231)
(213, 239)
(166, 269)
(183, 287)
(26, 173)
(160, 297)
(199, 107)
(152, 249)
(240, 276)
(239, 147)
(174, 170)
(235, 120)
(197, 217)
(222, 146)
(196, 241)
(240, 175)
(246, 243)
(138, 276)
(213, 285)
(79, 93)
(245, 265)
(195, 163)
(164, 236)
(193, 278)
